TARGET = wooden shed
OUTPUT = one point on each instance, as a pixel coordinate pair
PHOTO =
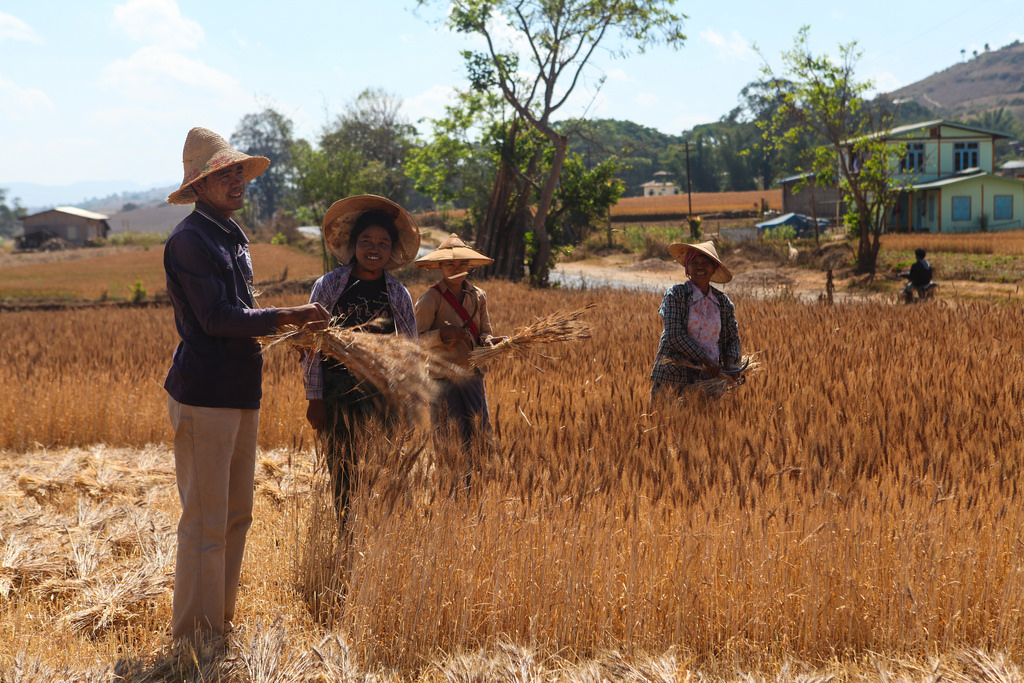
(71, 224)
(802, 194)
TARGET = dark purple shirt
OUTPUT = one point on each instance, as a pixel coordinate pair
(209, 280)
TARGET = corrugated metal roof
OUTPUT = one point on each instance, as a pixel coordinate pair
(75, 211)
(951, 180)
(942, 122)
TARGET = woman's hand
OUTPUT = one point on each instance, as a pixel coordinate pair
(711, 368)
(316, 414)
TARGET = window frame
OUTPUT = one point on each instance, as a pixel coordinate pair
(1007, 198)
(953, 209)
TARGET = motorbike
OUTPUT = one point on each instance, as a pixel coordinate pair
(912, 294)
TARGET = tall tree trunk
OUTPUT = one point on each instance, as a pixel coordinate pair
(502, 235)
(541, 266)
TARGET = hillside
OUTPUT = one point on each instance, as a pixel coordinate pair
(991, 80)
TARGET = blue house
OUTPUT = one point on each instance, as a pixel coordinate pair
(952, 185)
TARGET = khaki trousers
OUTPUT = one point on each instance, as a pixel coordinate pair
(214, 463)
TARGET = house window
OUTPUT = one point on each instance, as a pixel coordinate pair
(72, 233)
(914, 158)
(961, 208)
(965, 155)
(1002, 207)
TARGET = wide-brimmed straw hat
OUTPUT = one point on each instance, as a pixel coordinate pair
(344, 213)
(680, 250)
(205, 153)
(453, 249)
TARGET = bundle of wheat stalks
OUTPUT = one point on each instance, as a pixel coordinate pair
(394, 364)
(561, 326)
(726, 381)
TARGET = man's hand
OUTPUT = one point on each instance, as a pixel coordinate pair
(316, 414)
(314, 315)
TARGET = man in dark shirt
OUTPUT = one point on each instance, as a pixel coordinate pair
(214, 384)
(920, 277)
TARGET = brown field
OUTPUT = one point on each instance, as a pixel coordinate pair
(853, 511)
(1007, 243)
(113, 275)
(702, 202)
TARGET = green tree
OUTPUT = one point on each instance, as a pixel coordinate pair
(562, 36)
(828, 102)
(583, 198)
(457, 164)
(267, 134)
(10, 216)
(373, 124)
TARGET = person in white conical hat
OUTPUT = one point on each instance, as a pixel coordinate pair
(700, 336)
(214, 384)
(453, 319)
(370, 236)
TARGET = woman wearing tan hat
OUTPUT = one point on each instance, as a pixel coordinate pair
(452, 320)
(370, 236)
(700, 335)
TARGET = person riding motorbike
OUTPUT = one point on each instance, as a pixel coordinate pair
(920, 278)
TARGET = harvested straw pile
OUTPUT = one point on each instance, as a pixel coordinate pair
(396, 365)
(558, 327)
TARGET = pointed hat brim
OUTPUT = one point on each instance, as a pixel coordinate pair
(680, 250)
(453, 249)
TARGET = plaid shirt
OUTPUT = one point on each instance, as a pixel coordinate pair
(677, 346)
(327, 290)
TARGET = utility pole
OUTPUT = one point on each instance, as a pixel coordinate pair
(689, 197)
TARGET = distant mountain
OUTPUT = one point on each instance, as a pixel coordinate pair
(105, 196)
(987, 81)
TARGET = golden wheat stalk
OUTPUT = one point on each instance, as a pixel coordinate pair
(561, 326)
(394, 364)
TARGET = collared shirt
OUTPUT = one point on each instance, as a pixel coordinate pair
(433, 312)
(677, 348)
(327, 290)
(209, 282)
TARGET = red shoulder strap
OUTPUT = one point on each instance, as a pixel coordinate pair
(463, 313)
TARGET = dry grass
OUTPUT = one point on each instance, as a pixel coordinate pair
(852, 511)
(1005, 243)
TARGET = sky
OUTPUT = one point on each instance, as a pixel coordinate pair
(106, 90)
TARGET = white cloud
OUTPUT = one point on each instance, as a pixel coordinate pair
(618, 76)
(239, 39)
(148, 72)
(13, 28)
(733, 48)
(22, 104)
(428, 104)
(647, 100)
(885, 82)
(157, 22)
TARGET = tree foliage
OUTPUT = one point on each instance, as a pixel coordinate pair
(373, 125)
(266, 134)
(560, 37)
(824, 100)
(10, 216)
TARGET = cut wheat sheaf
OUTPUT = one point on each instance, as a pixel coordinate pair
(561, 326)
(395, 364)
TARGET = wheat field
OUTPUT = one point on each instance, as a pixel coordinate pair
(851, 512)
